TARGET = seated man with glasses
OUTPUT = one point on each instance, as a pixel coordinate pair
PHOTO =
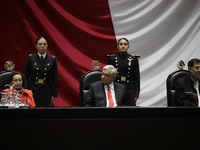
(106, 93)
(16, 80)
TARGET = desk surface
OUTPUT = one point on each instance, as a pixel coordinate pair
(100, 128)
(101, 113)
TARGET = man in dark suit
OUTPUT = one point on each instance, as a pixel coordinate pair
(187, 88)
(98, 94)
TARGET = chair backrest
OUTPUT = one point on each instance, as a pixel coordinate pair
(4, 79)
(86, 79)
(171, 83)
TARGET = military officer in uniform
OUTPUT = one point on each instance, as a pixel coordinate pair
(127, 71)
(41, 73)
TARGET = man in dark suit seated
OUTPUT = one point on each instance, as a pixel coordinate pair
(106, 93)
(187, 88)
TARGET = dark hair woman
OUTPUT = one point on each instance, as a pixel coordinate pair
(17, 80)
(128, 72)
(41, 73)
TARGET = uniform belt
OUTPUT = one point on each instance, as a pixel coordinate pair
(41, 81)
(123, 79)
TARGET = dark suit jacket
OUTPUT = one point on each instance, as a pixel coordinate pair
(183, 86)
(96, 96)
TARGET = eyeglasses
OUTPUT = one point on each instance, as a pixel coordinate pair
(17, 80)
(106, 75)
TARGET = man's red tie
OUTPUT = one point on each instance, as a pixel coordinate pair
(111, 104)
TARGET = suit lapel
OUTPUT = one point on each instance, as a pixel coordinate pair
(116, 93)
(191, 82)
(102, 90)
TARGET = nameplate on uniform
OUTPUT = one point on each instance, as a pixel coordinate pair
(40, 81)
(123, 78)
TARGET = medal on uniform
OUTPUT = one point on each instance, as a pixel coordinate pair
(129, 61)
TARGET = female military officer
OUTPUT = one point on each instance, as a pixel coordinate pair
(41, 72)
(127, 71)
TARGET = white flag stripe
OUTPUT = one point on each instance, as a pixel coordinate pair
(162, 33)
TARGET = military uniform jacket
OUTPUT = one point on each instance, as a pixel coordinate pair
(42, 78)
(127, 73)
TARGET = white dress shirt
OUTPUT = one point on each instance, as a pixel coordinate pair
(42, 55)
(196, 86)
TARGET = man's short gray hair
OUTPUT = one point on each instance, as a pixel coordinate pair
(114, 70)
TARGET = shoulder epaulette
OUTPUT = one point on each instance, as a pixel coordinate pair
(30, 54)
(110, 55)
(138, 56)
(53, 56)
